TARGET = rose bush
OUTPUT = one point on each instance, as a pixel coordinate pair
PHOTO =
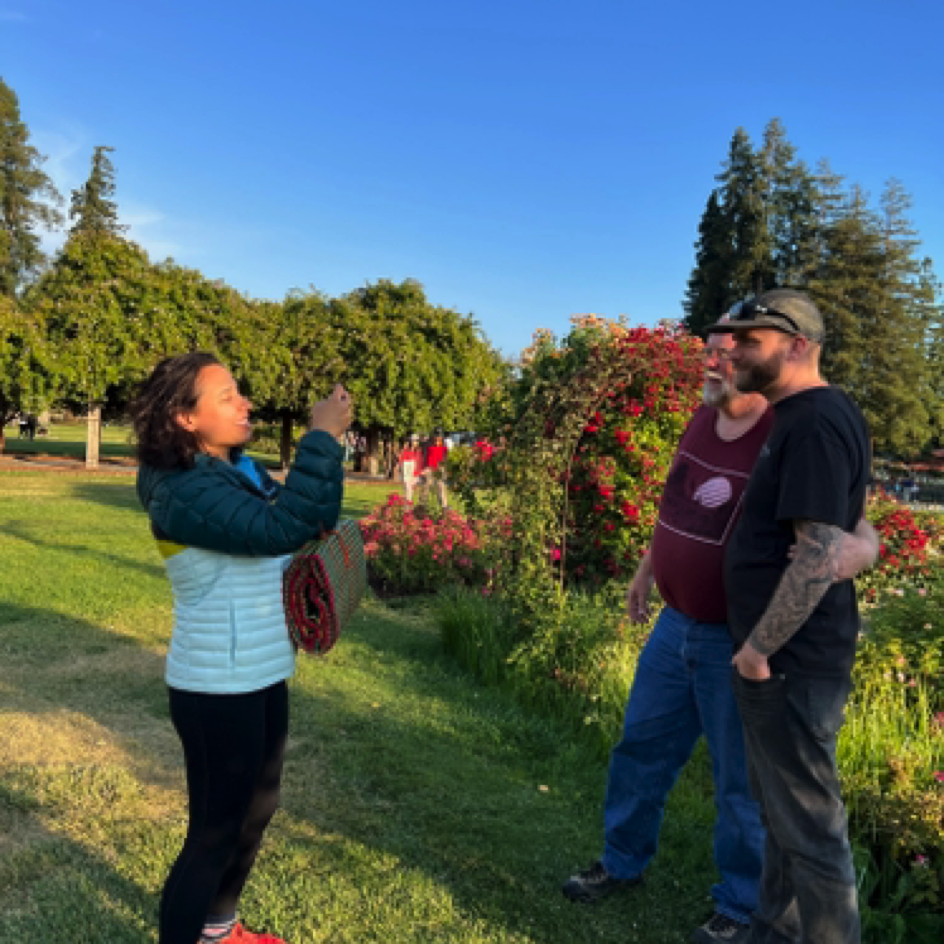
(910, 548)
(586, 434)
(412, 550)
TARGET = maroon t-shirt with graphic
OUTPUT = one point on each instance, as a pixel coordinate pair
(699, 507)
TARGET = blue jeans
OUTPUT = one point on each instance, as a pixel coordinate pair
(682, 689)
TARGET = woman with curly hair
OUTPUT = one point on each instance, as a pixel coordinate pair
(226, 531)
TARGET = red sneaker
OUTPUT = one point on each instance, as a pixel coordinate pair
(239, 935)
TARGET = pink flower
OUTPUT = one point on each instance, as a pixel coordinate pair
(556, 554)
(939, 776)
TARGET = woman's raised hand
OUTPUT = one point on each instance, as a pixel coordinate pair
(334, 414)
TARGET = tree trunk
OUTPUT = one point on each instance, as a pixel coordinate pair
(94, 437)
(5, 415)
(285, 441)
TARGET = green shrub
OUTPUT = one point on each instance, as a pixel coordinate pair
(577, 667)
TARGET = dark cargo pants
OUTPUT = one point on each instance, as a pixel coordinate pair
(807, 888)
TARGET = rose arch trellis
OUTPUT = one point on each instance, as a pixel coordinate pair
(543, 443)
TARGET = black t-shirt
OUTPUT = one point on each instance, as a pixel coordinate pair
(815, 466)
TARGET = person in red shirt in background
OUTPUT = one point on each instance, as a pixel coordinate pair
(484, 449)
(435, 469)
(411, 466)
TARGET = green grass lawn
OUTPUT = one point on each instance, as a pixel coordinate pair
(417, 806)
(68, 440)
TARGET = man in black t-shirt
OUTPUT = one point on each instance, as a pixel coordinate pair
(793, 622)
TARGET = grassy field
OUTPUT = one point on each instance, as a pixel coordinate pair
(417, 806)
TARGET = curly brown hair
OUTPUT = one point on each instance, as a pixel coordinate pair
(170, 390)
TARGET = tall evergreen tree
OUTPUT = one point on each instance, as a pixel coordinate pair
(24, 191)
(743, 188)
(789, 207)
(878, 310)
(847, 287)
(734, 250)
(901, 393)
(94, 210)
(709, 291)
(933, 317)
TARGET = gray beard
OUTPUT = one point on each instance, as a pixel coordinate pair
(718, 397)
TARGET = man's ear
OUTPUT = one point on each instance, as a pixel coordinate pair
(799, 348)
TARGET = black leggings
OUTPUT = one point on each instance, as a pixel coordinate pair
(233, 749)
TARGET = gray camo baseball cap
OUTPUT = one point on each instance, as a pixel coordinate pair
(783, 309)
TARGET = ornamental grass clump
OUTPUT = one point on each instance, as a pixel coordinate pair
(411, 549)
(891, 754)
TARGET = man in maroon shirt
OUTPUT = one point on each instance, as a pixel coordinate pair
(682, 687)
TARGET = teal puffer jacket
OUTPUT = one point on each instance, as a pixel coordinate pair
(215, 507)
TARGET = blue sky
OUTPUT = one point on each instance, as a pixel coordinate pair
(525, 161)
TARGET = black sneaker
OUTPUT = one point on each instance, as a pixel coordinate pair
(721, 928)
(595, 883)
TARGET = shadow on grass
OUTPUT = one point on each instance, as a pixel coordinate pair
(115, 494)
(53, 889)
(66, 449)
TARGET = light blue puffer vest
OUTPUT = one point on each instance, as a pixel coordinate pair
(229, 633)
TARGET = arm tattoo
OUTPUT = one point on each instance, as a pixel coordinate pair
(810, 574)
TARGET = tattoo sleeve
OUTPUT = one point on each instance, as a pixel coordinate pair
(814, 568)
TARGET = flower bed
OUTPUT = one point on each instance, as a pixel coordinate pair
(413, 550)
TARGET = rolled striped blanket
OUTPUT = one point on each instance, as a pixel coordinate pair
(322, 587)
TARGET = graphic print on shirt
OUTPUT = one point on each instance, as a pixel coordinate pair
(700, 501)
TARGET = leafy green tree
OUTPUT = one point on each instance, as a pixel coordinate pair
(409, 364)
(26, 377)
(24, 190)
(111, 315)
(94, 210)
(301, 362)
(88, 300)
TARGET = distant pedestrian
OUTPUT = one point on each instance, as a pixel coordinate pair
(411, 466)
(435, 468)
